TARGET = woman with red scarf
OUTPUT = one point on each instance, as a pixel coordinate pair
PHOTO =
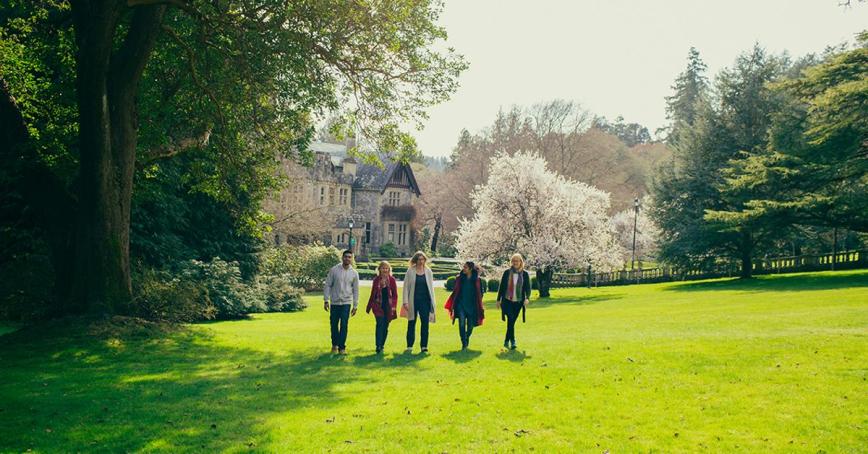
(465, 302)
(513, 296)
(383, 302)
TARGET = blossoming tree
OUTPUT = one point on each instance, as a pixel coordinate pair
(554, 222)
(647, 231)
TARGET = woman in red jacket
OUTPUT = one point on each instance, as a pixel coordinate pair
(465, 302)
(383, 301)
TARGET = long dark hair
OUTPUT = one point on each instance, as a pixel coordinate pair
(474, 275)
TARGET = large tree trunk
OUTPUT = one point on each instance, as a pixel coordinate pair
(107, 84)
(544, 281)
(746, 251)
(438, 223)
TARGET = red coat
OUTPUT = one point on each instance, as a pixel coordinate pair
(456, 293)
(374, 299)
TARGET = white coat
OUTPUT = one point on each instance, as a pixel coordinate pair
(410, 290)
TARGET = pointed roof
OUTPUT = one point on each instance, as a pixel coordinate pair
(372, 177)
(368, 177)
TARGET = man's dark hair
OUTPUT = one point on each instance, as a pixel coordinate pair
(346, 252)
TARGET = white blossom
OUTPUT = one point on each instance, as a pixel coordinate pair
(646, 231)
(552, 221)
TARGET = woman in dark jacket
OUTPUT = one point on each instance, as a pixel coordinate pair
(465, 302)
(513, 296)
(383, 302)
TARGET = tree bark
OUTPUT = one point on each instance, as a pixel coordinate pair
(106, 89)
(438, 223)
(746, 251)
(544, 281)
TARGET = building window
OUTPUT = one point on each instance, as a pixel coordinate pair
(322, 196)
(402, 234)
(391, 236)
(343, 196)
(394, 198)
(331, 196)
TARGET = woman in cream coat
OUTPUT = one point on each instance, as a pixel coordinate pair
(418, 299)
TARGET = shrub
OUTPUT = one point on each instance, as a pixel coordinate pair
(493, 285)
(367, 275)
(388, 250)
(224, 288)
(307, 266)
(161, 296)
(205, 291)
(533, 283)
(279, 295)
(450, 283)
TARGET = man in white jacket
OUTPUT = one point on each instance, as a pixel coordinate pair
(341, 290)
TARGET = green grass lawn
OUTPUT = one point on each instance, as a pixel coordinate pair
(778, 363)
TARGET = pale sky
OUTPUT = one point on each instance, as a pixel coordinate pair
(615, 57)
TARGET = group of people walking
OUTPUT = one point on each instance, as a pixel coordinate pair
(341, 298)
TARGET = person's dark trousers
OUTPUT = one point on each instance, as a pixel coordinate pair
(339, 316)
(423, 330)
(382, 330)
(512, 312)
(465, 328)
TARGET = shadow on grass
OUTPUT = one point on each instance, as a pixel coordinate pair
(462, 356)
(780, 283)
(515, 356)
(574, 300)
(65, 390)
(404, 359)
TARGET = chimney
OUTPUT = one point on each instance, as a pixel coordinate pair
(349, 165)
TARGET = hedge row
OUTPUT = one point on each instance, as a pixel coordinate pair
(492, 284)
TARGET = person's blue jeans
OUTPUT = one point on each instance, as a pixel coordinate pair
(339, 316)
(465, 328)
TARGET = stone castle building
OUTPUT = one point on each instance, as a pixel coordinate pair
(337, 189)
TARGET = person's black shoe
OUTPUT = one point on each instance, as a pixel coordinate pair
(512, 346)
(506, 345)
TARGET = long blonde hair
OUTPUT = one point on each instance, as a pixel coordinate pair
(415, 259)
(520, 259)
(388, 266)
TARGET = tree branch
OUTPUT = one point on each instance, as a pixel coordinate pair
(128, 63)
(172, 149)
(191, 63)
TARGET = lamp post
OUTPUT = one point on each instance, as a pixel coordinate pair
(350, 223)
(635, 219)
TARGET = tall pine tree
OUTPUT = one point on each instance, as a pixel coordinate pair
(710, 137)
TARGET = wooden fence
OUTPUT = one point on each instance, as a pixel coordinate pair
(837, 261)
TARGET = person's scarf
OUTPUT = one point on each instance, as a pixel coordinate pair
(383, 283)
(514, 286)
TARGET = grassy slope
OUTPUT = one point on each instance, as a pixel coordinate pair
(775, 364)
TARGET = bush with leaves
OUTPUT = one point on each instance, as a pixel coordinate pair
(493, 285)
(279, 295)
(388, 250)
(307, 266)
(229, 294)
(161, 296)
(450, 283)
